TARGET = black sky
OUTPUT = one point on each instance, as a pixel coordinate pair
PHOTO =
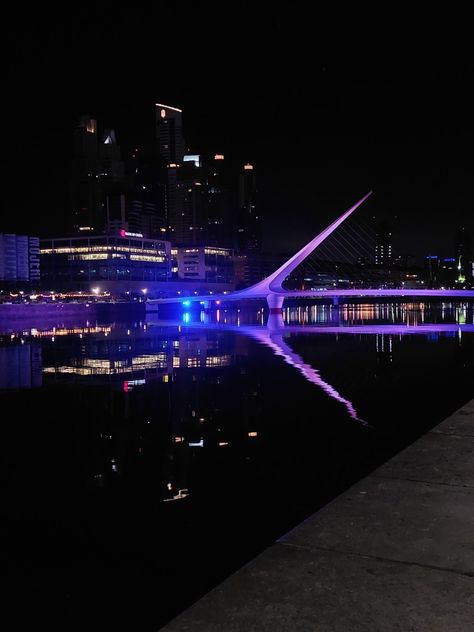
(326, 108)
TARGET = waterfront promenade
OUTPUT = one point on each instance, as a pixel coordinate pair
(395, 552)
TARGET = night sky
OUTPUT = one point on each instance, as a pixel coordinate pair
(325, 109)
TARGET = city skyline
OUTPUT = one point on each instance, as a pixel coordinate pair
(322, 125)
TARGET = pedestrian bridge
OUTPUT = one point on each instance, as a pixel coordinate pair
(271, 288)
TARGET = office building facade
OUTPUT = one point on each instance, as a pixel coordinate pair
(19, 259)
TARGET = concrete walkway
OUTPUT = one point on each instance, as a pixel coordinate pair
(393, 553)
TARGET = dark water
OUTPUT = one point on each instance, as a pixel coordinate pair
(142, 463)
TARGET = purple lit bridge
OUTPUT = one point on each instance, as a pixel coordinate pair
(271, 288)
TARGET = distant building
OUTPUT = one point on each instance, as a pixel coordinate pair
(78, 262)
(253, 267)
(19, 259)
(464, 255)
(203, 263)
(147, 199)
(219, 203)
(169, 135)
(383, 245)
(169, 132)
(432, 269)
(249, 228)
(189, 226)
(85, 189)
(448, 271)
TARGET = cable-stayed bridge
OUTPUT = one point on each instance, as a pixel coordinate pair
(272, 290)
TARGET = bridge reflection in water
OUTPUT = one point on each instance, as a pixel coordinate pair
(275, 335)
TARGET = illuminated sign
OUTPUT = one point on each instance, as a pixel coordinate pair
(124, 233)
(34, 259)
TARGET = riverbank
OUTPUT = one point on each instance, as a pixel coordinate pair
(15, 316)
(393, 553)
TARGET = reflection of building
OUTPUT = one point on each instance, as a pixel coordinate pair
(109, 353)
(20, 366)
(75, 262)
(19, 258)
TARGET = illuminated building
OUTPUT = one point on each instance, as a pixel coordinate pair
(19, 259)
(189, 225)
(383, 245)
(432, 268)
(464, 255)
(147, 206)
(111, 176)
(85, 188)
(169, 135)
(218, 203)
(75, 262)
(203, 263)
(249, 228)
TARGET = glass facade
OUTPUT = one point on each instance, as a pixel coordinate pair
(104, 258)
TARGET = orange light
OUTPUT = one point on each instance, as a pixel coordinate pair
(219, 157)
(248, 167)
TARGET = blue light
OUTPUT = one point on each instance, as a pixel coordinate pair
(186, 317)
(186, 303)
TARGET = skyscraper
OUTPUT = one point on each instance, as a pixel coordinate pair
(85, 190)
(219, 204)
(249, 228)
(169, 135)
(112, 184)
(464, 254)
(383, 245)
